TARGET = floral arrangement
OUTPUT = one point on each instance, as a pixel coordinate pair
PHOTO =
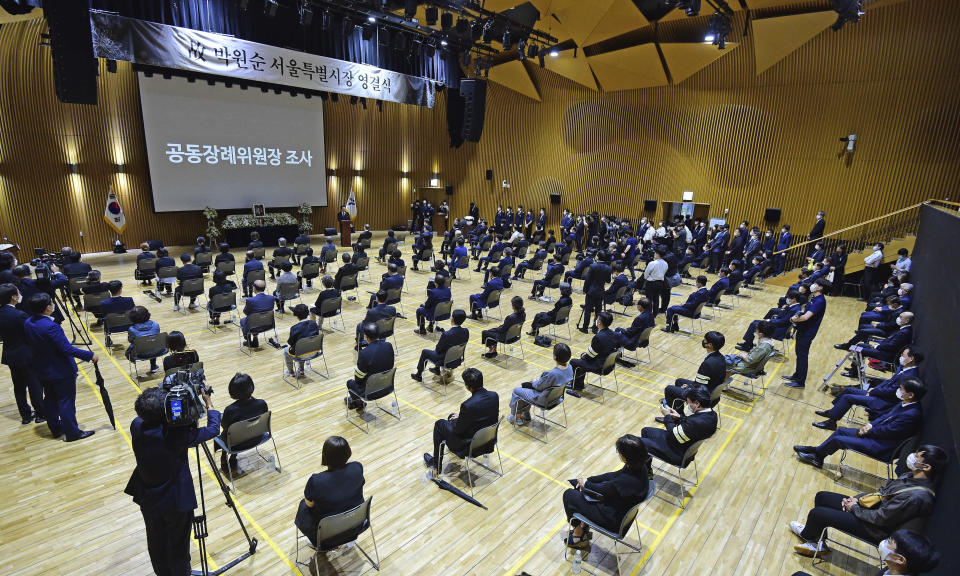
(305, 210)
(305, 227)
(212, 231)
(235, 221)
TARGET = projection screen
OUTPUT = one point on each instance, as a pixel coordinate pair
(231, 148)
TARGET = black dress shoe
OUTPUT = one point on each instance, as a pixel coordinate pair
(40, 420)
(434, 369)
(801, 448)
(810, 459)
(822, 413)
(659, 419)
(584, 330)
(83, 434)
(743, 347)
(416, 376)
(841, 346)
(27, 419)
(793, 384)
(826, 425)
(428, 460)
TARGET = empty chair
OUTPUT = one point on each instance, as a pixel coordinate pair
(249, 435)
(484, 442)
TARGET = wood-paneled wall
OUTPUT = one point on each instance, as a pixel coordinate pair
(741, 142)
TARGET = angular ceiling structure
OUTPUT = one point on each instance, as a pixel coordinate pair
(775, 38)
(576, 69)
(686, 59)
(630, 68)
(514, 75)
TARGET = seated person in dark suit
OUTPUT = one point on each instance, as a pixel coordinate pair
(712, 372)
(304, 328)
(604, 343)
(117, 303)
(501, 270)
(620, 280)
(435, 295)
(179, 356)
(554, 268)
(904, 501)
(281, 251)
(201, 248)
(337, 489)
(492, 336)
(878, 399)
(441, 276)
(479, 301)
(389, 281)
(459, 259)
(254, 241)
(145, 254)
(379, 312)
(882, 314)
(164, 260)
(455, 336)
(346, 269)
(243, 407)
(887, 349)
(643, 320)
(578, 272)
(720, 286)
(73, 267)
(478, 411)
(612, 494)
(301, 247)
(497, 248)
(220, 286)
(388, 244)
(375, 357)
(396, 258)
(328, 253)
(779, 318)
(188, 271)
(259, 302)
(540, 254)
(327, 293)
(365, 235)
(224, 255)
(680, 430)
(478, 244)
(358, 254)
(879, 438)
(308, 276)
(550, 316)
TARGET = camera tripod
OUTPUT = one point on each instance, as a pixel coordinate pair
(200, 520)
(78, 331)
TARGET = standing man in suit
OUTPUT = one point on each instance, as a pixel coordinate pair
(718, 247)
(807, 325)
(435, 295)
(259, 302)
(779, 261)
(17, 356)
(53, 358)
(478, 411)
(871, 268)
(712, 373)
(375, 357)
(455, 336)
(343, 215)
(688, 308)
(816, 232)
(879, 438)
(597, 277)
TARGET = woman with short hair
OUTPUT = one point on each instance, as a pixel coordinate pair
(337, 489)
(244, 407)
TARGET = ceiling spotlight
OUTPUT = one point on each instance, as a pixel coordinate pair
(270, 8)
(306, 14)
(487, 33)
(522, 48)
(719, 30)
(554, 52)
(690, 7)
(507, 41)
(371, 19)
(443, 43)
(432, 13)
(847, 11)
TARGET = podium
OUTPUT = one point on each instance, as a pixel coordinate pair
(345, 233)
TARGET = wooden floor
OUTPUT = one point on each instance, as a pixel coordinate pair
(64, 511)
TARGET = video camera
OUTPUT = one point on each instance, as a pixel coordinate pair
(43, 260)
(182, 402)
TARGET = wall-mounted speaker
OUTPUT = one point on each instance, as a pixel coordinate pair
(554, 197)
(771, 215)
(448, 190)
(71, 42)
(474, 94)
(649, 205)
(489, 174)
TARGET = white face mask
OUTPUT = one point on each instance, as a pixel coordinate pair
(884, 548)
(769, 234)
(899, 321)
(912, 461)
(900, 397)
(901, 292)
(783, 231)
(903, 361)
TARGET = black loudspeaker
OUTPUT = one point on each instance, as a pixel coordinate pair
(448, 190)
(474, 94)
(554, 197)
(771, 215)
(71, 43)
(649, 205)
(489, 174)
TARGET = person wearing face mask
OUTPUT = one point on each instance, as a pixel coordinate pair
(838, 262)
(902, 265)
(888, 321)
(768, 244)
(888, 348)
(779, 260)
(871, 265)
(817, 255)
(682, 430)
(807, 325)
(877, 399)
(752, 246)
(904, 552)
(816, 232)
(712, 372)
(900, 503)
(879, 438)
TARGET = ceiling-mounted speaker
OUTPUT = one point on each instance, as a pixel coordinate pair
(649, 205)
(771, 215)
(554, 197)
(474, 94)
(489, 174)
(71, 49)
(448, 189)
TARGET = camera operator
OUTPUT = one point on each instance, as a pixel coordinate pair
(161, 484)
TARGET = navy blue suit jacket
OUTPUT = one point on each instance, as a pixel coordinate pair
(893, 427)
(16, 348)
(434, 297)
(391, 281)
(114, 305)
(52, 353)
(302, 329)
(259, 303)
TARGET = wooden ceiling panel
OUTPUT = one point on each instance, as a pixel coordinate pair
(775, 38)
(685, 60)
(622, 17)
(580, 18)
(514, 75)
(576, 69)
(628, 69)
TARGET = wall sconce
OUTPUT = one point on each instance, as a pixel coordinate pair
(434, 182)
(74, 168)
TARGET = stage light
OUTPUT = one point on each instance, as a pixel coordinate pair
(432, 14)
(270, 8)
(435, 182)
(719, 29)
(690, 7)
(507, 41)
(554, 52)
(443, 43)
(446, 21)
(487, 33)
(522, 49)
(371, 19)
(306, 13)
(847, 11)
